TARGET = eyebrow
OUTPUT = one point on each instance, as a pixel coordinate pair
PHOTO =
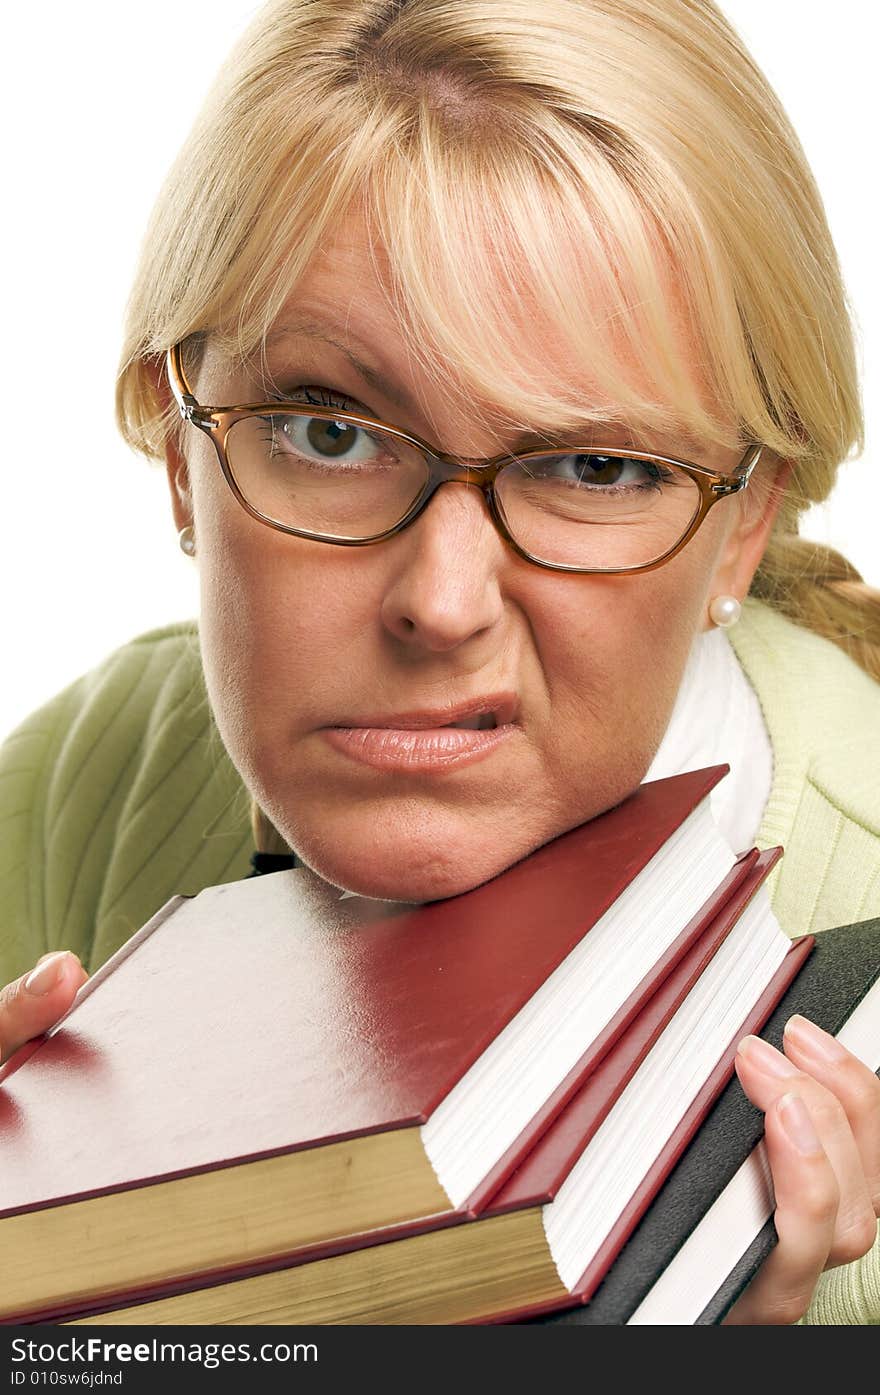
(312, 329)
(309, 328)
(305, 327)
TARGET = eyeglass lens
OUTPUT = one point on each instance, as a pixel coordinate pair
(572, 509)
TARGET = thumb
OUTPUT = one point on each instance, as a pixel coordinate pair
(31, 1004)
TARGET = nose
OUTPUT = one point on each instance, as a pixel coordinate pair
(444, 581)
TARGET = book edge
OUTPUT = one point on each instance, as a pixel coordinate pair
(93, 982)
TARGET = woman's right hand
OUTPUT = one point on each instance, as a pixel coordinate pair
(30, 1004)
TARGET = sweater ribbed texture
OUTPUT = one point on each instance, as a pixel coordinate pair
(823, 715)
(115, 796)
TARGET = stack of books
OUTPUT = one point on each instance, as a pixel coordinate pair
(277, 1105)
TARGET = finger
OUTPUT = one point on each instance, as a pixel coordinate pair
(30, 1004)
(807, 1198)
(855, 1085)
(766, 1074)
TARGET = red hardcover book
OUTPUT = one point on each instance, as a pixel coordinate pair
(266, 1070)
(504, 1265)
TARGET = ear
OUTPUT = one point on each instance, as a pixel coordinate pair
(175, 462)
(747, 540)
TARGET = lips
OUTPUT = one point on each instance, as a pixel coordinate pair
(476, 714)
(483, 721)
(435, 742)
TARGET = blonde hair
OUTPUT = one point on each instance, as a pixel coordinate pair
(591, 154)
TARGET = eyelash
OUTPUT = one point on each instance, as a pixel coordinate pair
(324, 397)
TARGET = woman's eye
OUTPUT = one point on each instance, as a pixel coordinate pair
(323, 439)
(608, 471)
(331, 440)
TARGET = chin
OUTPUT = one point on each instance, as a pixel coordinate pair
(410, 883)
(398, 868)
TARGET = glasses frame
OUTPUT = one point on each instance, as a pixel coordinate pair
(216, 422)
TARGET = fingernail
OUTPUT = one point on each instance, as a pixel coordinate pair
(46, 975)
(795, 1119)
(813, 1040)
(765, 1057)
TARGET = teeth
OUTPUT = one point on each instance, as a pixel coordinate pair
(483, 721)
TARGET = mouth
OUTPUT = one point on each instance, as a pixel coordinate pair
(483, 721)
(429, 742)
(477, 714)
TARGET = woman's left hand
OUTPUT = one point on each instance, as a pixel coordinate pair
(822, 1125)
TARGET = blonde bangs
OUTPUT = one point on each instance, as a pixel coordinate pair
(527, 210)
(525, 254)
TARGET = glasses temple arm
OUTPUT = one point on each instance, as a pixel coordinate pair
(178, 383)
(742, 473)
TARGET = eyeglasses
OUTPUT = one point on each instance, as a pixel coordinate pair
(351, 480)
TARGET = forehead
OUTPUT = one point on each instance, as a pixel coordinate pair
(347, 299)
(480, 325)
(350, 298)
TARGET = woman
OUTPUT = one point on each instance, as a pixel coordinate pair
(419, 238)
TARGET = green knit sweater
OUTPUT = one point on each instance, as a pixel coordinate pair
(118, 794)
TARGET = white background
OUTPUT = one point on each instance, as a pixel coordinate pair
(96, 99)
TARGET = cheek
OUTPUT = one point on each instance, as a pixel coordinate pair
(613, 650)
(278, 614)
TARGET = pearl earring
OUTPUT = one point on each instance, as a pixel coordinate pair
(187, 539)
(724, 611)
